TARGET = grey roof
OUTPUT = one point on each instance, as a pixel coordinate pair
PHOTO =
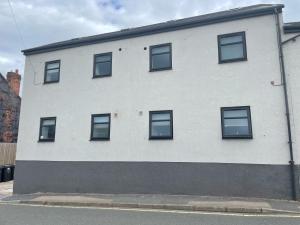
(223, 16)
(293, 27)
(3, 78)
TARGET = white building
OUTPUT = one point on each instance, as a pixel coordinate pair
(191, 106)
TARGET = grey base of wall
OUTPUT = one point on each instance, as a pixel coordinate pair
(207, 179)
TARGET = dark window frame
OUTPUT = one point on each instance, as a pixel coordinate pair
(45, 71)
(40, 131)
(247, 108)
(94, 65)
(244, 58)
(150, 57)
(92, 127)
(150, 125)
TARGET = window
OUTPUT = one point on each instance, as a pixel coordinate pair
(160, 57)
(232, 47)
(100, 129)
(102, 65)
(52, 70)
(161, 125)
(236, 122)
(47, 129)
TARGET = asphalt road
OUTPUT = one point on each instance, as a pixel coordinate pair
(44, 215)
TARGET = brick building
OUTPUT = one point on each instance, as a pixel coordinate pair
(10, 102)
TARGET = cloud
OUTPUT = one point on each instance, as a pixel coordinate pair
(4, 60)
(46, 21)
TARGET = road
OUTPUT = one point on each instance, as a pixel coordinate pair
(47, 215)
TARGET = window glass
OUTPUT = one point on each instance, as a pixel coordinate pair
(52, 65)
(236, 127)
(47, 129)
(52, 75)
(161, 125)
(48, 122)
(161, 61)
(234, 51)
(52, 72)
(235, 113)
(232, 47)
(100, 130)
(162, 49)
(102, 65)
(101, 119)
(161, 116)
(232, 39)
(160, 57)
(48, 132)
(103, 58)
(236, 122)
(161, 128)
(100, 127)
(102, 69)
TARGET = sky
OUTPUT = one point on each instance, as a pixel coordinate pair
(40, 22)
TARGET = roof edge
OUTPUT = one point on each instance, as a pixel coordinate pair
(293, 27)
(3, 77)
(149, 30)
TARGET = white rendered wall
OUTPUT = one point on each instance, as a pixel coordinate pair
(194, 89)
(291, 52)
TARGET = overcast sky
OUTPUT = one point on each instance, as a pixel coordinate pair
(45, 21)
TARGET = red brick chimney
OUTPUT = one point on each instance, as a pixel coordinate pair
(14, 80)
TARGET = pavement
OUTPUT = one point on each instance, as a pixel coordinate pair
(163, 202)
(6, 189)
(66, 215)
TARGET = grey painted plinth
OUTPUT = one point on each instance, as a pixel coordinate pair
(207, 179)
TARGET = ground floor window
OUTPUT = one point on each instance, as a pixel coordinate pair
(236, 122)
(47, 129)
(100, 128)
(161, 124)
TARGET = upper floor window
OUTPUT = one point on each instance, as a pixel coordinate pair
(232, 47)
(100, 128)
(47, 129)
(236, 122)
(161, 124)
(102, 65)
(161, 57)
(52, 70)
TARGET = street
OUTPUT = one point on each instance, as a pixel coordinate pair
(49, 215)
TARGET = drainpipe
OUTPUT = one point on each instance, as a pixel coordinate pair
(287, 110)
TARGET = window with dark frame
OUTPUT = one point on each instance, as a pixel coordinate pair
(100, 127)
(52, 72)
(47, 129)
(161, 57)
(232, 47)
(236, 122)
(102, 65)
(161, 124)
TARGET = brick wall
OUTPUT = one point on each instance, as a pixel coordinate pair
(9, 108)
